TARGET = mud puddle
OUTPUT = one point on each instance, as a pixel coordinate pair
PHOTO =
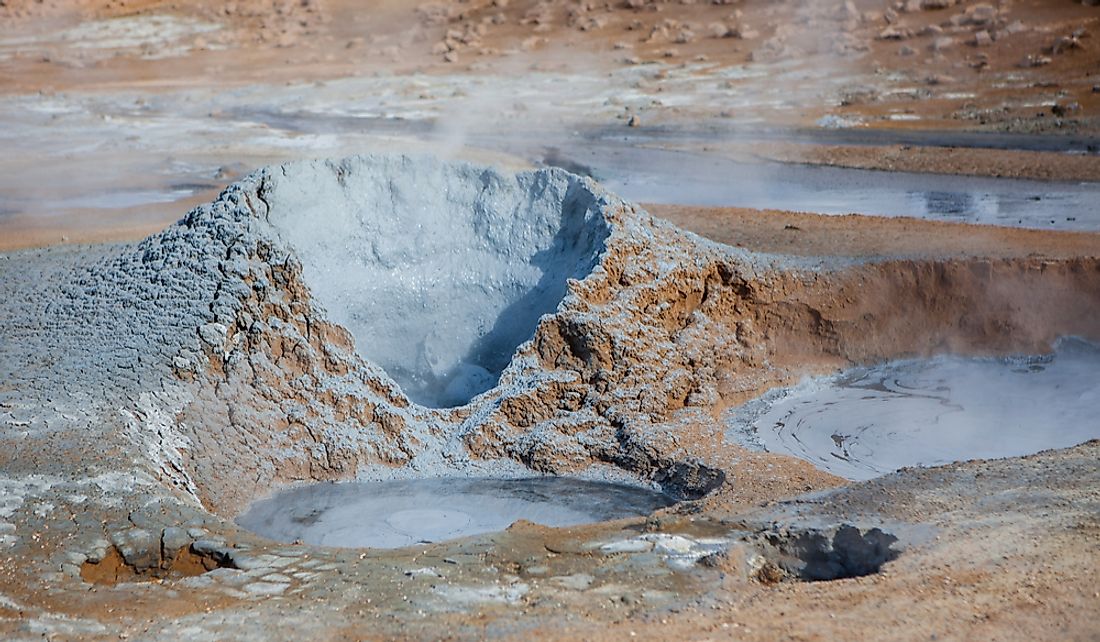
(870, 421)
(393, 514)
(763, 134)
(123, 198)
(638, 166)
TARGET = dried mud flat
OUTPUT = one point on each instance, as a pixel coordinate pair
(152, 390)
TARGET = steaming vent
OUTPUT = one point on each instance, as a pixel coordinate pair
(439, 270)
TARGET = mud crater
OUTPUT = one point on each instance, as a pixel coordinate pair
(439, 271)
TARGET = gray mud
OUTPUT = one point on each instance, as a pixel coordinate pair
(873, 420)
(393, 514)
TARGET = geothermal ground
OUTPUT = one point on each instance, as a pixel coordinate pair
(549, 320)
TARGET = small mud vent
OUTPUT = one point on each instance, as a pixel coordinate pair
(128, 561)
(816, 555)
(114, 569)
(689, 480)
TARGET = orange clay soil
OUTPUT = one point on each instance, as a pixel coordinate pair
(801, 234)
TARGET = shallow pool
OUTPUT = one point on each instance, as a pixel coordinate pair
(393, 514)
(866, 422)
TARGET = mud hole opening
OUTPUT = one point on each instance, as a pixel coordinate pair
(819, 555)
(394, 514)
(114, 568)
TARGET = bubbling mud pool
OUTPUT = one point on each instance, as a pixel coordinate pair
(393, 514)
(870, 421)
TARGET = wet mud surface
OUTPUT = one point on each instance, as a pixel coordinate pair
(867, 422)
(404, 513)
(164, 96)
